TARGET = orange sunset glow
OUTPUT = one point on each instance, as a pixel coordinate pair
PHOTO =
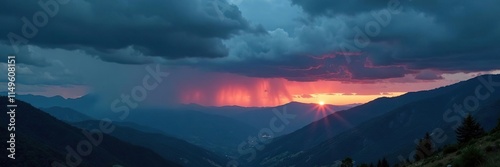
(246, 91)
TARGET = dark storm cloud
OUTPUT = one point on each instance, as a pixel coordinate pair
(305, 69)
(447, 35)
(310, 53)
(443, 36)
(351, 7)
(170, 29)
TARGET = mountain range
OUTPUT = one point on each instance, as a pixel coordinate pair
(385, 127)
(218, 129)
(200, 136)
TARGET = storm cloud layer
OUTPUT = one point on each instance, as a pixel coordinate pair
(126, 31)
(362, 41)
(447, 36)
(299, 40)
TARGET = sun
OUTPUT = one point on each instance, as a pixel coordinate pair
(321, 103)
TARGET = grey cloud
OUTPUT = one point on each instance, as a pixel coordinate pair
(446, 35)
(169, 29)
(32, 75)
(309, 53)
(24, 55)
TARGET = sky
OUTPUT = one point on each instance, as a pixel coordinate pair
(248, 52)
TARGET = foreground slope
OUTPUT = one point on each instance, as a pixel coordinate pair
(48, 139)
(485, 150)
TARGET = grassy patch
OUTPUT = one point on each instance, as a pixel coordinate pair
(471, 157)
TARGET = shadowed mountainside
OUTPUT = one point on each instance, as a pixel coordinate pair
(401, 120)
(49, 139)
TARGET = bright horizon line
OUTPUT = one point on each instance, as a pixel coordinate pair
(333, 98)
(318, 97)
(269, 106)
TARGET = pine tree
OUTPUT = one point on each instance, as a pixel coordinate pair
(419, 155)
(429, 147)
(371, 165)
(385, 163)
(469, 130)
(347, 162)
(424, 147)
(382, 163)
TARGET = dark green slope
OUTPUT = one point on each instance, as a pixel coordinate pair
(48, 137)
(29, 153)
